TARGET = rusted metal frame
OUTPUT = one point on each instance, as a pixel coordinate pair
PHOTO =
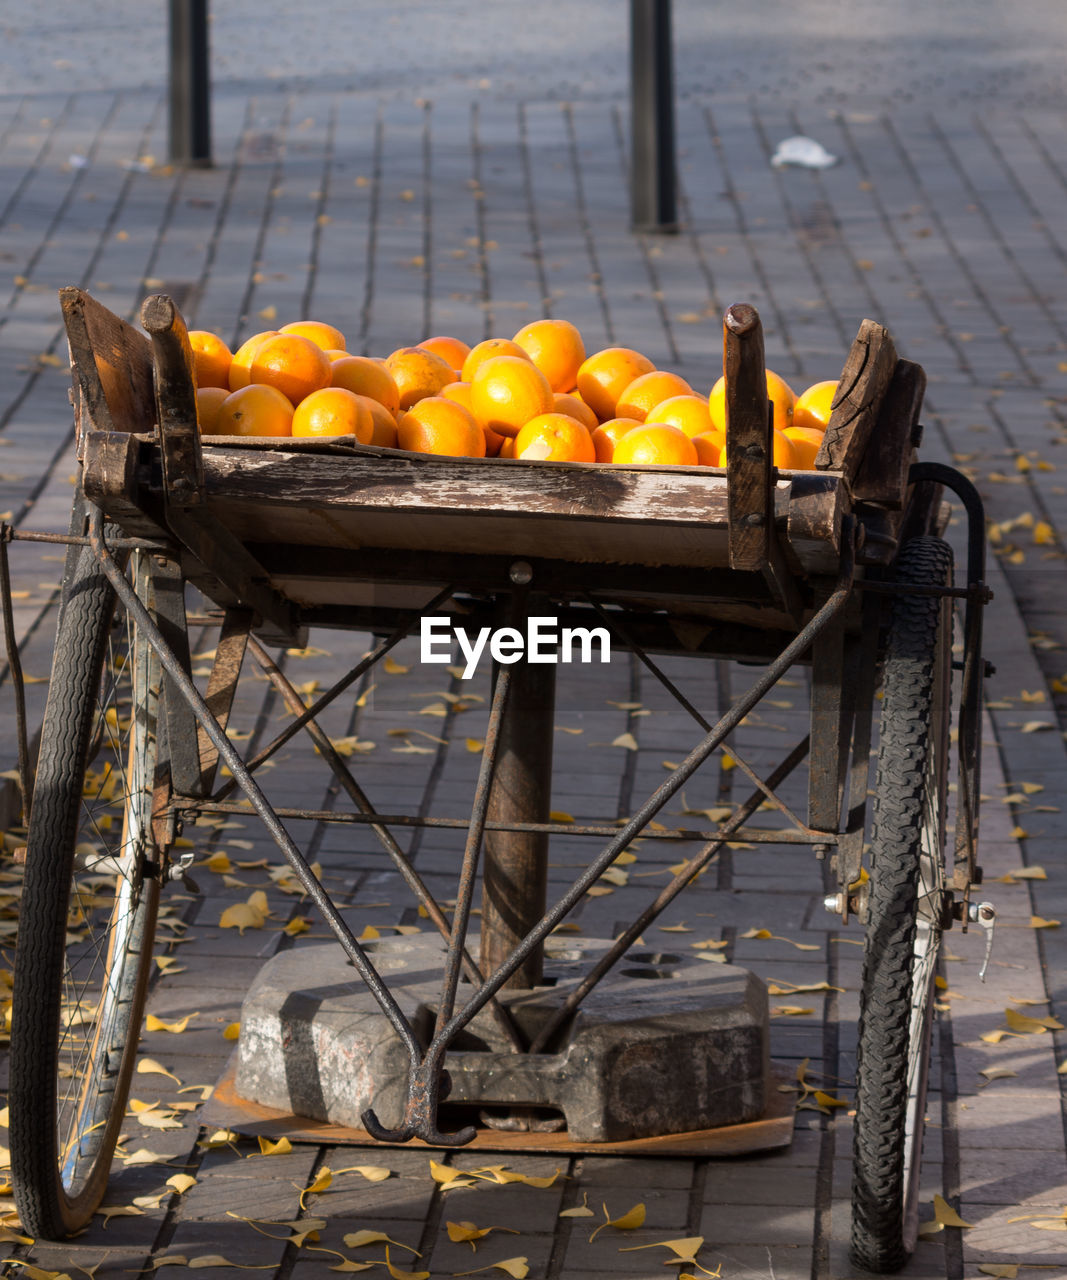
(731, 828)
(222, 688)
(400, 860)
(428, 1083)
(74, 540)
(14, 666)
(177, 721)
(924, 589)
(969, 746)
(334, 691)
(679, 835)
(312, 886)
(848, 857)
(683, 701)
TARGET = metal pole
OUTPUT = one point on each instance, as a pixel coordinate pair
(190, 85)
(652, 174)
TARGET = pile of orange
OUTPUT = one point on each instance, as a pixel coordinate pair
(536, 396)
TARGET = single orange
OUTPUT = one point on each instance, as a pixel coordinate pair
(656, 444)
(779, 392)
(240, 372)
(574, 407)
(606, 374)
(418, 374)
(649, 390)
(784, 453)
(555, 437)
(211, 359)
(333, 411)
(812, 408)
(208, 403)
(688, 413)
(453, 351)
(292, 364)
(506, 392)
(806, 444)
(322, 335)
(608, 435)
(461, 393)
(384, 434)
(709, 446)
(255, 410)
(437, 425)
(556, 347)
(365, 377)
(485, 351)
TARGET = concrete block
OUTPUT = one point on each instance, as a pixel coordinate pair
(642, 1056)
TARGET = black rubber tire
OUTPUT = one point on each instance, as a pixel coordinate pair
(88, 909)
(905, 903)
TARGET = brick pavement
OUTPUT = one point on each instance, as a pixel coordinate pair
(472, 215)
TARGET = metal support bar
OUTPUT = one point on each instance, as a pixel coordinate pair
(190, 84)
(359, 798)
(662, 901)
(653, 205)
(260, 804)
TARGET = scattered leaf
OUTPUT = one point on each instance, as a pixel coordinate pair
(399, 1274)
(583, 1210)
(468, 1233)
(1005, 1270)
(372, 1172)
(685, 1250)
(181, 1182)
(1039, 922)
(517, 1267)
(997, 1073)
(630, 1220)
(152, 1023)
(626, 740)
(320, 1183)
(280, 1148)
(149, 1066)
(357, 1239)
(790, 1011)
(1025, 1025)
(946, 1216)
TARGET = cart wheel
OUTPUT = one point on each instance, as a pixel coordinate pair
(904, 915)
(88, 908)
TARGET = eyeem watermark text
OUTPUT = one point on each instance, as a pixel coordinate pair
(544, 641)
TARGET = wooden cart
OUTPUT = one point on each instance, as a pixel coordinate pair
(841, 569)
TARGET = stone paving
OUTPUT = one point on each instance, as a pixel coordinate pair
(471, 212)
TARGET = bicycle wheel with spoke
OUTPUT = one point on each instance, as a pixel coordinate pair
(904, 920)
(88, 909)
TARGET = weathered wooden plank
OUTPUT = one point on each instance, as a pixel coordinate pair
(864, 381)
(110, 461)
(882, 475)
(111, 367)
(175, 391)
(221, 688)
(748, 438)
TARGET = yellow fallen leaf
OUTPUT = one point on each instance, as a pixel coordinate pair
(582, 1210)
(351, 745)
(711, 944)
(296, 926)
(779, 987)
(1050, 1224)
(242, 916)
(319, 1184)
(1020, 833)
(152, 1023)
(1061, 1070)
(828, 1100)
(280, 1148)
(626, 740)
(206, 1260)
(218, 862)
(946, 1216)
(149, 1066)
(181, 1182)
(789, 1011)
(558, 815)
(468, 1233)
(109, 1211)
(475, 745)
(398, 1274)
(169, 1260)
(997, 1073)
(1023, 873)
(1039, 922)
(629, 1221)
(1044, 534)
(372, 1172)
(1035, 726)
(501, 1174)
(1004, 1270)
(517, 1267)
(685, 1250)
(1031, 788)
(1026, 1025)
(357, 1239)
